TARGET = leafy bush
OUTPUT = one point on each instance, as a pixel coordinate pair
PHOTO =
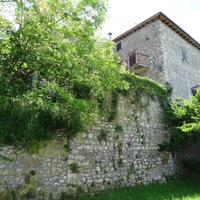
(52, 66)
(74, 167)
(183, 118)
(49, 76)
(145, 85)
(35, 115)
(183, 121)
(119, 129)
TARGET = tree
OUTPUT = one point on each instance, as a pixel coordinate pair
(187, 114)
(183, 118)
(51, 66)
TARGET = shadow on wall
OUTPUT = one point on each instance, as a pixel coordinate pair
(189, 156)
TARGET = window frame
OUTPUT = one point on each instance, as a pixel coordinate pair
(119, 46)
(132, 60)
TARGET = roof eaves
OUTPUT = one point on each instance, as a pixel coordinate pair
(137, 27)
(162, 17)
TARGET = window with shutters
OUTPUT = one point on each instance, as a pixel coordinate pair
(119, 46)
(138, 62)
(132, 60)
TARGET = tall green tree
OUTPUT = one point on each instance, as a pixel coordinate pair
(183, 117)
(187, 115)
(51, 66)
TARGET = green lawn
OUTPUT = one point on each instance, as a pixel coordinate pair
(172, 190)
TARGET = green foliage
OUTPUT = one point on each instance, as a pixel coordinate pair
(5, 158)
(37, 113)
(50, 68)
(179, 189)
(187, 114)
(143, 85)
(120, 162)
(29, 195)
(66, 196)
(114, 101)
(119, 129)
(67, 146)
(53, 69)
(32, 172)
(172, 190)
(92, 184)
(165, 158)
(74, 167)
(134, 87)
(34, 146)
(183, 118)
(120, 148)
(131, 170)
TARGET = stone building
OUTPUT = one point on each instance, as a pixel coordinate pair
(122, 152)
(159, 49)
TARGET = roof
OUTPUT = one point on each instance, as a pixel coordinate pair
(162, 17)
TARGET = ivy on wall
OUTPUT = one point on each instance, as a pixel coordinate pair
(52, 78)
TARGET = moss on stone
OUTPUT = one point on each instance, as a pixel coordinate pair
(103, 135)
(74, 167)
(119, 129)
(120, 162)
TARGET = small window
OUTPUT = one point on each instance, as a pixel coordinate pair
(194, 89)
(184, 55)
(119, 46)
(132, 60)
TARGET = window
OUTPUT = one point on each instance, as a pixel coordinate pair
(119, 46)
(194, 89)
(183, 55)
(132, 60)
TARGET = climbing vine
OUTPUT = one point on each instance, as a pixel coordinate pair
(51, 68)
(52, 78)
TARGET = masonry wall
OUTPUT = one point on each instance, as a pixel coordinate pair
(148, 41)
(181, 62)
(121, 153)
(173, 59)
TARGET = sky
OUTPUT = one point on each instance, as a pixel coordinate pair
(125, 14)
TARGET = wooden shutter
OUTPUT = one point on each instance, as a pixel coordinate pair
(119, 46)
(132, 60)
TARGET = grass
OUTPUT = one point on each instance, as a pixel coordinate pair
(181, 189)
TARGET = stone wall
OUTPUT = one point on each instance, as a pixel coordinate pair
(120, 153)
(172, 58)
(181, 62)
(148, 41)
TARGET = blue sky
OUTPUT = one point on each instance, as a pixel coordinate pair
(124, 14)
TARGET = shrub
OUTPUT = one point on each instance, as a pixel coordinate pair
(119, 129)
(74, 167)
